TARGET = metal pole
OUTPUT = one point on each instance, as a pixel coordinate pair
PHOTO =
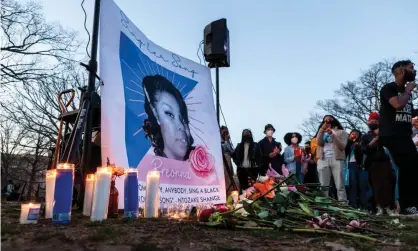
(217, 97)
(85, 159)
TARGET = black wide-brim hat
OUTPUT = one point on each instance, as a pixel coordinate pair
(269, 126)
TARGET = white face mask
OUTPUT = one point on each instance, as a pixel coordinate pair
(294, 140)
(269, 133)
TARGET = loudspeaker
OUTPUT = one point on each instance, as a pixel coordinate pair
(216, 44)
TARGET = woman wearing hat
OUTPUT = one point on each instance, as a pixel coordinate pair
(270, 151)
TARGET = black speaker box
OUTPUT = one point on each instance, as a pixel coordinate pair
(216, 44)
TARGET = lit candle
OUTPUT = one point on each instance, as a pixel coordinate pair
(88, 194)
(101, 193)
(235, 195)
(49, 192)
(29, 213)
(152, 198)
(63, 193)
(131, 193)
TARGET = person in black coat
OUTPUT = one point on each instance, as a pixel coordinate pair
(247, 157)
(270, 151)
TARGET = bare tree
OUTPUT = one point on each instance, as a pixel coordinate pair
(354, 100)
(30, 47)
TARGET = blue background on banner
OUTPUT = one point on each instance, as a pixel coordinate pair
(134, 65)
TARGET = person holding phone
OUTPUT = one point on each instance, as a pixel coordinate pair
(331, 143)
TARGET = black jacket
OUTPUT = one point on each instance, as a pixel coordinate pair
(367, 150)
(267, 147)
(358, 151)
(254, 154)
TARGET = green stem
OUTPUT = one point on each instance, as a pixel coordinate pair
(327, 231)
(255, 228)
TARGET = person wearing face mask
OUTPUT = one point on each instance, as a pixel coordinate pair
(396, 113)
(379, 167)
(270, 151)
(331, 142)
(292, 155)
(247, 158)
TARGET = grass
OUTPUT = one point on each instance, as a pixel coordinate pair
(156, 235)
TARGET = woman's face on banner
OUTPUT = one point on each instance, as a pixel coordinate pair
(174, 129)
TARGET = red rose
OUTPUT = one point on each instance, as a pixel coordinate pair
(205, 214)
(201, 161)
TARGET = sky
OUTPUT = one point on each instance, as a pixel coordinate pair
(285, 55)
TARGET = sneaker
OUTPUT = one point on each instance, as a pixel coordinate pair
(379, 211)
(410, 211)
(391, 212)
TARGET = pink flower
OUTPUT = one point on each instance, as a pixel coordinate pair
(201, 161)
(292, 188)
(285, 172)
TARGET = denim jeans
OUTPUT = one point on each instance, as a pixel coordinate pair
(358, 186)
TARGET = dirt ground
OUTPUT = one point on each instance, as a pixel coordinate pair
(156, 235)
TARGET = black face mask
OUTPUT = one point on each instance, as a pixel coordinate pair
(373, 127)
(307, 149)
(247, 138)
(409, 76)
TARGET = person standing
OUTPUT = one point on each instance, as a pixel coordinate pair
(270, 151)
(357, 191)
(396, 113)
(381, 174)
(227, 152)
(293, 154)
(247, 157)
(331, 142)
(309, 165)
(415, 131)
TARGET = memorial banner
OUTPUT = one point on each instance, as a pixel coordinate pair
(157, 113)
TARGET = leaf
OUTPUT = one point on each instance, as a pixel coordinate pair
(279, 199)
(250, 224)
(282, 210)
(316, 212)
(278, 223)
(263, 214)
(306, 209)
(319, 199)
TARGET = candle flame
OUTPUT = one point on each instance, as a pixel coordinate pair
(234, 193)
(65, 166)
(104, 169)
(90, 177)
(51, 173)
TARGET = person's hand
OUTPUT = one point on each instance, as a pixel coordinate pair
(416, 143)
(272, 155)
(325, 126)
(410, 86)
(304, 170)
(374, 141)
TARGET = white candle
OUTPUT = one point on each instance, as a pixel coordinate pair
(235, 195)
(88, 195)
(49, 192)
(29, 213)
(152, 197)
(101, 193)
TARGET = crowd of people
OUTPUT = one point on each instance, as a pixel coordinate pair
(373, 171)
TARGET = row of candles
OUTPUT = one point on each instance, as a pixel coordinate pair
(59, 192)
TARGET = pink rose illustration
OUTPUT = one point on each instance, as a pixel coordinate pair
(201, 161)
